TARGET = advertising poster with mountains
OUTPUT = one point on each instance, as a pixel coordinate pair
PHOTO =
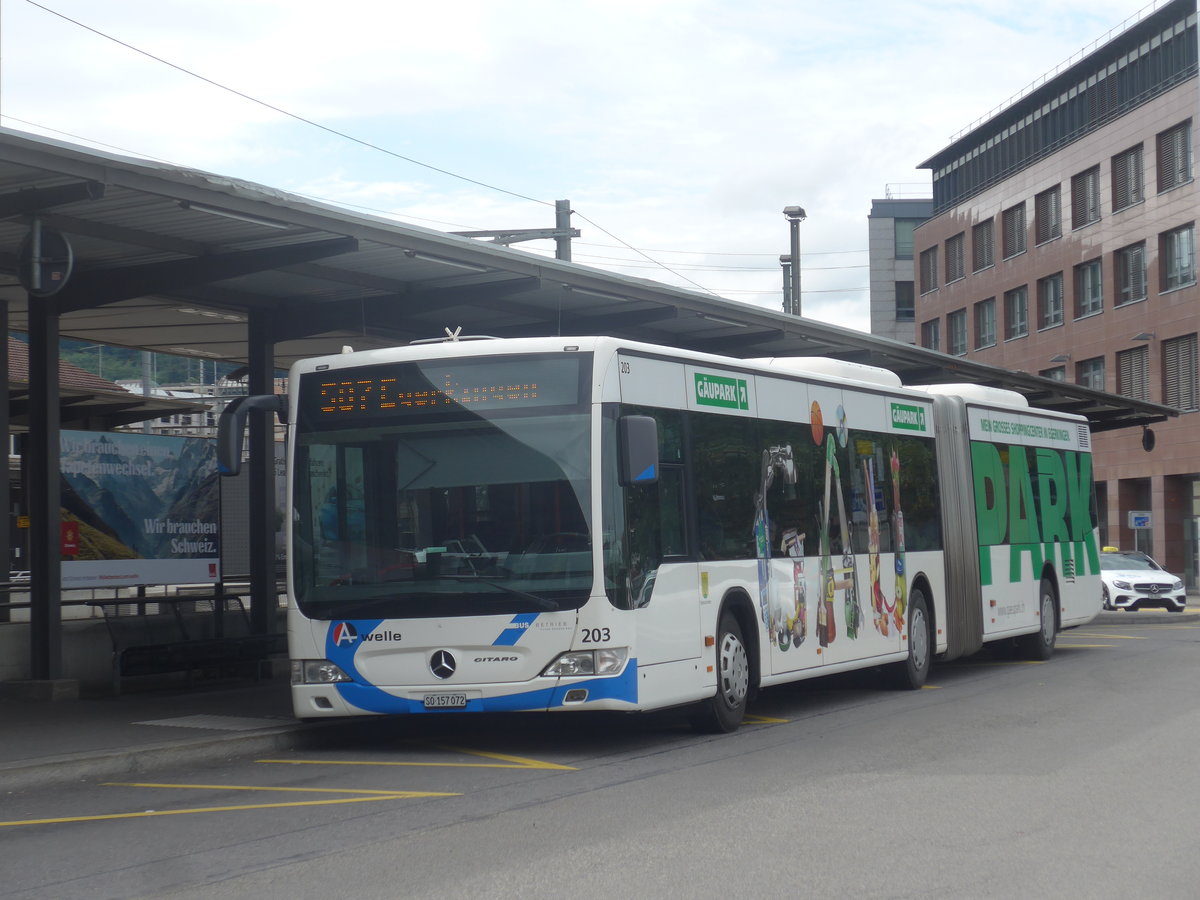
(147, 508)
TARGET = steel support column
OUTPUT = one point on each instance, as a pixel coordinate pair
(44, 493)
(261, 380)
(5, 498)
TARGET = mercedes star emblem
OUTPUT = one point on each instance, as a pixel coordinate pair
(442, 664)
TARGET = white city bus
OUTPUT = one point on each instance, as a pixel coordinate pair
(590, 523)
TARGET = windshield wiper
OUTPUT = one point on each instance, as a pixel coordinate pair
(541, 602)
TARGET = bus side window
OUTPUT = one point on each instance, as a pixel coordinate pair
(726, 462)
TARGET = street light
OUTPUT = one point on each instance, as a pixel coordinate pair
(791, 300)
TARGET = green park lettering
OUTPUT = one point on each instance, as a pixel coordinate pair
(717, 390)
(911, 418)
(1037, 501)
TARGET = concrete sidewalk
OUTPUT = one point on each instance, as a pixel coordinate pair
(43, 743)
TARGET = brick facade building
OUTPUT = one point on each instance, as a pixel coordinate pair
(1063, 243)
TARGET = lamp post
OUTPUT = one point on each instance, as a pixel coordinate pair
(785, 263)
(795, 215)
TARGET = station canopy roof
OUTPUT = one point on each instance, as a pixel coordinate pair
(177, 261)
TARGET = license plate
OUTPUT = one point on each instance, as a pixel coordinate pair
(445, 701)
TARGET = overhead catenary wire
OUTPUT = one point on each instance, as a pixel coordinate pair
(644, 254)
(626, 264)
(349, 137)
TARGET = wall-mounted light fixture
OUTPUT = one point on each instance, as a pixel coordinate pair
(590, 293)
(720, 320)
(470, 267)
(210, 314)
(230, 214)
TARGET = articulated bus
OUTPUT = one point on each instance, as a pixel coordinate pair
(588, 523)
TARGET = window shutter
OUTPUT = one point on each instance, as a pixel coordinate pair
(1174, 163)
(983, 241)
(1180, 376)
(1127, 178)
(1047, 214)
(1133, 371)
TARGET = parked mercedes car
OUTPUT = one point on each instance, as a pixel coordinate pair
(1132, 580)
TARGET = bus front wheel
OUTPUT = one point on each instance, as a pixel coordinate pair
(725, 710)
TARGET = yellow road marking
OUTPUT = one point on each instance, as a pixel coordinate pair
(1062, 646)
(764, 720)
(931, 687)
(504, 761)
(151, 813)
(1002, 662)
(1111, 637)
(519, 761)
(406, 795)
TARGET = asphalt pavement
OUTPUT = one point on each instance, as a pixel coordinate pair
(56, 742)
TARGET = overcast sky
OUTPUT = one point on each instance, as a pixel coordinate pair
(678, 127)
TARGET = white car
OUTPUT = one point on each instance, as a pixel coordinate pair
(1132, 580)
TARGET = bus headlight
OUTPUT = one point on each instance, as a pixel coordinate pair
(317, 671)
(608, 661)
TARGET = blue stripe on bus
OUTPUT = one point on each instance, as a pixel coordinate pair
(372, 699)
(516, 629)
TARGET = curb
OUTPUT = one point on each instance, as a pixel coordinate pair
(121, 763)
(1149, 616)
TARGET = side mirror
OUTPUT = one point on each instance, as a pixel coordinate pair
(638, 437)
(231, 427)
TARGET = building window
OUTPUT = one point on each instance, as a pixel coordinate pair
(929, 272)
(1016, 313)
(1131, 273)
(1127, 178)
(1090, 373)
(1133, 373)
(1177, 250)
(1181, 381)
(956, 328)
(1013, 223)
(904, 237)
(954, 257)
(931, 334)
(1089, 289)
(1175, 156)
(1050, 301)
(1085, 198)
(985, 323)
(983, 252)
(906, 309)
(1058, 373)
(1047, 215)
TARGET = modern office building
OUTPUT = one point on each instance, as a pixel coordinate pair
(890, 228)
(1062, 242)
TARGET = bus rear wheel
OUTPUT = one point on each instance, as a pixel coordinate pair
(724, 712)
(912, 672)
(1040, 644)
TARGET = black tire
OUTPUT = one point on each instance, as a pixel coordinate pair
(1107, 603)
(724, 711)
(911, 674)
(1040, 644)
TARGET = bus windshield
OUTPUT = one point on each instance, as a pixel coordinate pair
(452, 512)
